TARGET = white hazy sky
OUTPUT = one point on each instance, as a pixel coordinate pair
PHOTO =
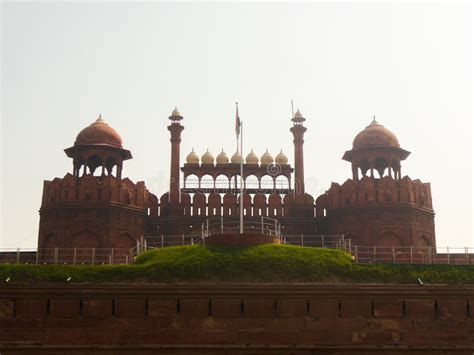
(64, 63)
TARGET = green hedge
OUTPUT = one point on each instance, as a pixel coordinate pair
(264, 263)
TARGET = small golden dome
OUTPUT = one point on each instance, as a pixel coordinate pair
(175, 112)
(222, 158)
(192, 158)
(236, 158)
(207, 158)
(298, 117)
(252, 158)
(266, 158)
(281, 158)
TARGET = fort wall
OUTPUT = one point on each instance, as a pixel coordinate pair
(237, 318)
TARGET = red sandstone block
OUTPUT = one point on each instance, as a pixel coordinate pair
(194, 307)
(264, 336)
(334, 336)
(98, 308)
(419, 309)
(162, 307)
(64, 308)
(356, 308)
(323, 309)
(6, 308)
(130, 307)
(31, 308)
(452, 309)
(226, 308)
(388, 309)
(260, 308)
(294, 307)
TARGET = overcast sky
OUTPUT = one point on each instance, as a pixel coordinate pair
(63, 64)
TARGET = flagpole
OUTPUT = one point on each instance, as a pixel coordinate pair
(241, 178)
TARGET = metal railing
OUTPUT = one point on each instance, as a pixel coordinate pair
(412, 255)
(68, 256)
(262, 225)
(360, 254)
(318, 241)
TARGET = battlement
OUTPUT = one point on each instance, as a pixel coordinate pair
(373, 191)
(89, 189)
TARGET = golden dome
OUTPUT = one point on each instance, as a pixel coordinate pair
(192, 158)
(252, 158)
(207, 158)
(236, 158)
(222, 158)
(375, 135)
(281, 158)
(266, 158)
(99, 133)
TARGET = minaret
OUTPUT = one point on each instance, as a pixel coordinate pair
(298, 131)
(175, 128)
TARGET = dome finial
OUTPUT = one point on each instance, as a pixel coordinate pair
(374, 122)
(99, 119)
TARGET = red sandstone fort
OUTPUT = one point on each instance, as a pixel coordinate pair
(96, 207)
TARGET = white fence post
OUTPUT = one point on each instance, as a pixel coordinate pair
(182, 239)
(302, 242)
(74, 256)
(162, 240)
(261, 222)
(17, 255)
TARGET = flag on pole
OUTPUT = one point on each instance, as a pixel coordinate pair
(237, 120)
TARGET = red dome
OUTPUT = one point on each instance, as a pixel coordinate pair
(375, 135)
(99, 133)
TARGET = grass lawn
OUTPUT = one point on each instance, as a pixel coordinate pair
(264, 263)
